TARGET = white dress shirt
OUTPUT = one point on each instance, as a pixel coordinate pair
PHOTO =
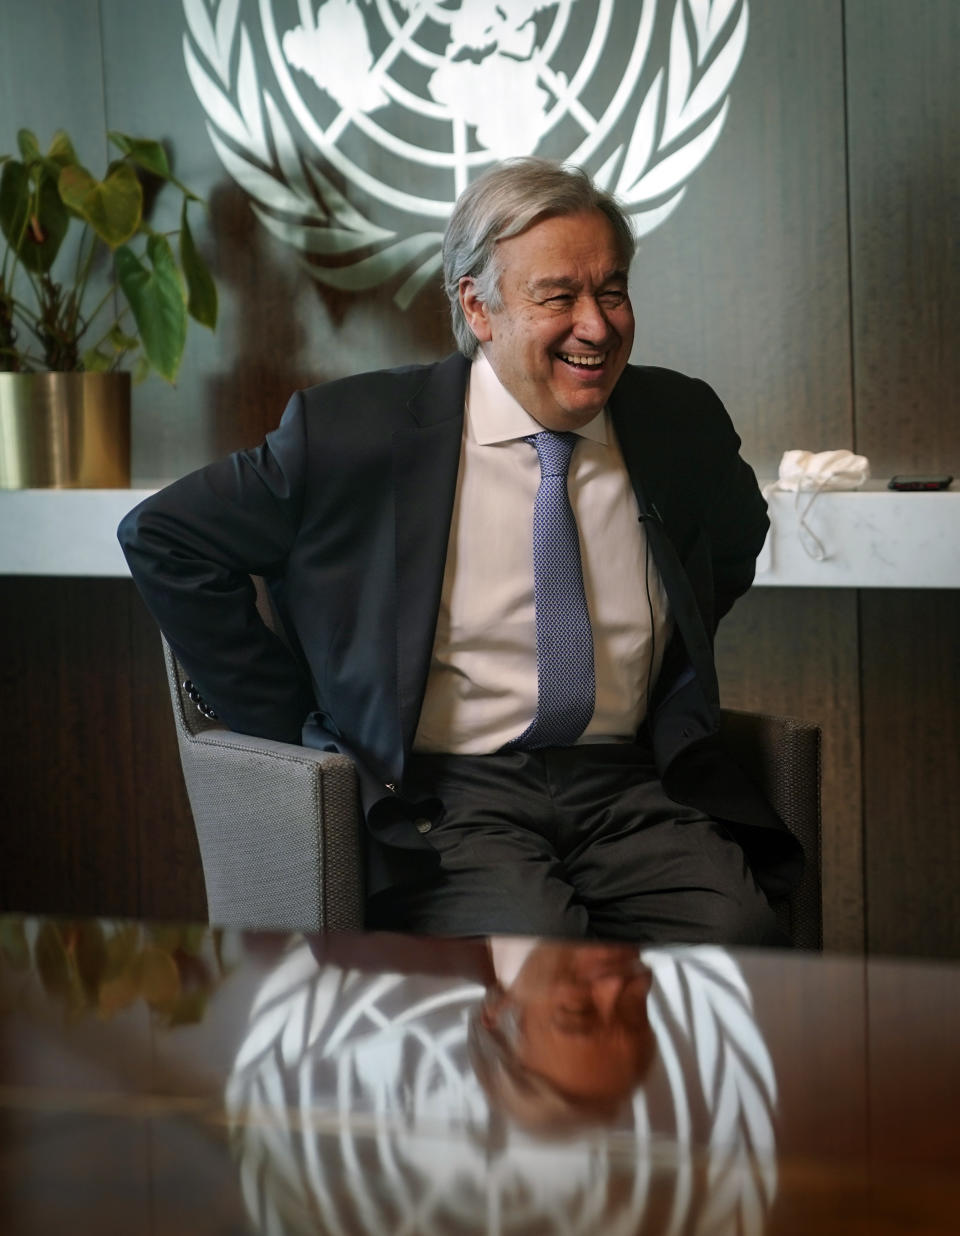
(482, 684)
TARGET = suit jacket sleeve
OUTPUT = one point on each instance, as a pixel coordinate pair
(192, 548)
(735, 514)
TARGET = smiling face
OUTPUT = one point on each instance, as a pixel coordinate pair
(583, 1018)
(563, 333)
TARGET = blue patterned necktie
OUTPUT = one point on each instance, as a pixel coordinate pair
(566, 686)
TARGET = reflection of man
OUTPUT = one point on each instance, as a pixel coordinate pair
(562, 1037)
(353, 1087)
(503, 574)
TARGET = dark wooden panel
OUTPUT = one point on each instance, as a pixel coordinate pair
(170, 878)
(66, 780)
(95, 819)
(746, 284)
(904, 99)
(911, 728)
(794, 652)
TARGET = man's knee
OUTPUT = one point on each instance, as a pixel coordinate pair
(452, 905)
(740, 921)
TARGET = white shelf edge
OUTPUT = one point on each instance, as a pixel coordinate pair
(874, 537)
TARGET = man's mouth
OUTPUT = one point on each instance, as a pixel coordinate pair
(591, 361)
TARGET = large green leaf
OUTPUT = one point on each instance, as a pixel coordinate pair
(33, 222)
(61, 150)
(113, 207)
(148, 154)
(201, 290)
(14, 202)
(156, 298)
(28, 146)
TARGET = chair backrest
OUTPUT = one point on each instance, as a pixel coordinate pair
(781, 755)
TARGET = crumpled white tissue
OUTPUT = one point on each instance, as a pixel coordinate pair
(806, 470)
(809, 472)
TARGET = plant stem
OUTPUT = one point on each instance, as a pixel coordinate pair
(88, 321)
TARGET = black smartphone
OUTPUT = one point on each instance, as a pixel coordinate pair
(920, 482)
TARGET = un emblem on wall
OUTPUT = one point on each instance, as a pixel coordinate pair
(354, 124)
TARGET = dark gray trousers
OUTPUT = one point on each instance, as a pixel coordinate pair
(575, 842)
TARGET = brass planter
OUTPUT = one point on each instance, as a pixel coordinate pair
(64, 430)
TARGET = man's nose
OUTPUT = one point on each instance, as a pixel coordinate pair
(590, 322)
(606, 993)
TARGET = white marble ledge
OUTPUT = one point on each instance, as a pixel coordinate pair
(873, 538)
(64, 531)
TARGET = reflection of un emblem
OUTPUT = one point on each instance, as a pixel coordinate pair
(354, 1109)
(381, 111)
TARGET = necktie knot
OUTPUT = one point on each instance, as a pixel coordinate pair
(554, 451)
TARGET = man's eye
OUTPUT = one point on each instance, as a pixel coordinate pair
(560, 301)
(612, 300)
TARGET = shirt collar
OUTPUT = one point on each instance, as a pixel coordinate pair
(493, 415)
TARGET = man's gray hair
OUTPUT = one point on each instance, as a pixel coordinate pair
(503, 202)
(523, 1097)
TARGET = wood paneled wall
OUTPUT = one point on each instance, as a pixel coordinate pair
(810, 274)
(95, 815)
(903, 93)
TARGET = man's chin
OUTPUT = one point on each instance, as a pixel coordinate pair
(572, 415)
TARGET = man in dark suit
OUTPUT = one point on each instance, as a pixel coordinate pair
(501, 576)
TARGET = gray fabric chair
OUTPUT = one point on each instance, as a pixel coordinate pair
(782, 757)
(279, 825)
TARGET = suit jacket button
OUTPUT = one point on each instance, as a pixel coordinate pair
(422, 825)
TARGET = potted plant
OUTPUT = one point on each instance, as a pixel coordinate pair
(88, 292)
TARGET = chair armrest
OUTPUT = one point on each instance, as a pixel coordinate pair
(278, 825)
(781, 755)
(279, 832)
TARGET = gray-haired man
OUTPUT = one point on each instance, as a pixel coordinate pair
(504, 573)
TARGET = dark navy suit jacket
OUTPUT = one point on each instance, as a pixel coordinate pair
(345, 510)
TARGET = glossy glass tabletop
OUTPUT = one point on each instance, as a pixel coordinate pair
(162, 1078)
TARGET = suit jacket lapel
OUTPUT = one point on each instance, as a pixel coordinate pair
(426, 459)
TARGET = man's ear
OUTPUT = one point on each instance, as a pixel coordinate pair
(495, 1001)
(475, 310)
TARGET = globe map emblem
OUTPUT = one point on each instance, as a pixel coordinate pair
(482, 81)
(380, 112)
